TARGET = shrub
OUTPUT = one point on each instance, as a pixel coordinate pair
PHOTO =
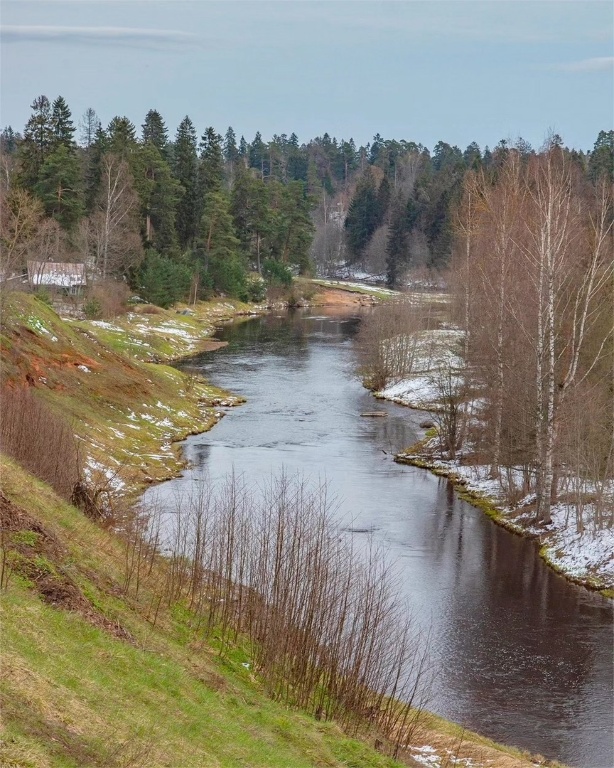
(277, 273)
(163, 281)
(40, 440)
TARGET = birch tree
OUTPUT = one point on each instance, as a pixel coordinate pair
(115, 239)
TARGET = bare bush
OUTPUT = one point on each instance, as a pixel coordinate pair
(327, 630)
(39, 439)
(388, 342)
(109, 297)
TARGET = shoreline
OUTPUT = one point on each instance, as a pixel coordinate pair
(493, 510)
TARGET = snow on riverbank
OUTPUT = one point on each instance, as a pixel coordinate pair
(575, 545)
(581, 546)
(434, 352)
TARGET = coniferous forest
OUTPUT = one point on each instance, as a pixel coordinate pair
(185, 215)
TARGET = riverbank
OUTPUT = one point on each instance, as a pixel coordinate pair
(585, 558)
(579, 547)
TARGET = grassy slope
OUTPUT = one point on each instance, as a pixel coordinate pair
(86, 677)
(76, 694)
(126, 410)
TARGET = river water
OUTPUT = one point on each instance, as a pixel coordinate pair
(517, 653)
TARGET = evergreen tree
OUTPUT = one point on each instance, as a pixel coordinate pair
(291, 228)
(397, 245)
(257, 155)
(96, 151)
(601, 161)
(61, 124)
(243, 150)
(211, 168)
(159, 193)
(363, 216)
(154, 132)
(59, 187)
(8, 140)
(220, 246)
(161, 280)
(231, 155)
(121, 135)
(185, 170)
(251, 214)
(37, 142)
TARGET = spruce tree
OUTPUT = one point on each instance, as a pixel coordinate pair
(154, 131)
(62, 124)
(363, 216)
(59, 187)
(37, 142)
(211, 167)
(122, 137)
(185, 171)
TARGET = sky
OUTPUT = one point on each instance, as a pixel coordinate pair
(451, 70)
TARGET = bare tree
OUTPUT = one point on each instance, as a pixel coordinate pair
(21, 219)
(115, 242)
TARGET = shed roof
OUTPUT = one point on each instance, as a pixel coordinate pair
(65, 274)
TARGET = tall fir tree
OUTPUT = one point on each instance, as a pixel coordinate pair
(154, 132)
(37, 142)
(121, 135)
(211, 167)
(62, 125)
(185, 170)
(362, 217)
(59, 187)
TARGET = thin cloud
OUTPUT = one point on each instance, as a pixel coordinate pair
(132, 36)
(597, 64)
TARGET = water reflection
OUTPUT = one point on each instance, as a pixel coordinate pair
(518, 653)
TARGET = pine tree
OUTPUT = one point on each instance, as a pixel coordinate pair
(158, 192)
(8, 140)
(231, 155)
(257, 155)
(601, 161)
(154, 131)
(221, 256)
(98, 148)
(211, 168)
(37, 142)
(122, 137)
(251, 215)
(185, 170)
(397, 245)
(62, 124)
(363, 216)
(59, 187)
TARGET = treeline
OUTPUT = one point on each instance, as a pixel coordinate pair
(187, 215)
(534, 277)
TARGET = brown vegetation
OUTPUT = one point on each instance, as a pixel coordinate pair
(39, 439)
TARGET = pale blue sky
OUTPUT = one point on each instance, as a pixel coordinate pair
(456, 70)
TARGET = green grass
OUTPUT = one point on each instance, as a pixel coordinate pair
(75, 695)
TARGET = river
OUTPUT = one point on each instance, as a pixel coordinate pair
(518, 653)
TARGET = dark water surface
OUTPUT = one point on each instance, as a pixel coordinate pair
(519, 654)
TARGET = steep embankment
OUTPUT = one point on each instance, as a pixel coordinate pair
(126, 407)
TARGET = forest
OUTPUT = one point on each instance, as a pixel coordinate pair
(185, 216)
